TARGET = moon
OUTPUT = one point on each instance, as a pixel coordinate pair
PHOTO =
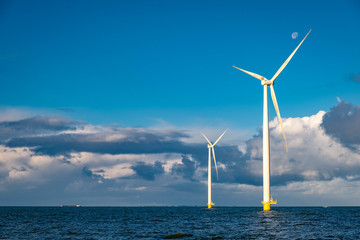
(294, 35)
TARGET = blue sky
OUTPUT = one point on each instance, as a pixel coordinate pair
(101, 68)
(136, 61)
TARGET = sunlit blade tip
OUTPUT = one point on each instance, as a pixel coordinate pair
(206, 138)
(252, 74)
(288, 59)
(220, 137)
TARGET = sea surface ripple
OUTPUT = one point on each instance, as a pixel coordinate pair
(179, 222)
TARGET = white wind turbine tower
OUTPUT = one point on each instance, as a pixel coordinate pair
(267, 199)
(211, 149)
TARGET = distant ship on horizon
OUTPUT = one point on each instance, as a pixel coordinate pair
(70, 205)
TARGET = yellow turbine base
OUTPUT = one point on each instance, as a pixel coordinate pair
(266, 206)
(209, 205)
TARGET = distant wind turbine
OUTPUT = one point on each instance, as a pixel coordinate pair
(211, 149)
(267, 199)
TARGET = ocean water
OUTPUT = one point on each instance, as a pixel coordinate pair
(179, 222)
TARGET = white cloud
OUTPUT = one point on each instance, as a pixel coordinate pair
(312, 153)
(316, 164)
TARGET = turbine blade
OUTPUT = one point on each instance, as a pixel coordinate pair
(252, 74)
(273, 96)
(206, 138)
(217, 175)
(288, 60)
(220, 137)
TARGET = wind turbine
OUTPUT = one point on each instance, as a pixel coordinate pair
(267, 199)
(211, 149)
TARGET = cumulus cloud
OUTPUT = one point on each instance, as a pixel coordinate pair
(313, 154)
(186, 168)
(85, 161)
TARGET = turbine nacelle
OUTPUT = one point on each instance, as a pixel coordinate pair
(267, 82)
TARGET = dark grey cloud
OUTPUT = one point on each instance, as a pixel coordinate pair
(186, 169)
(147, 171)
(236, 169)
(44, 135)
(66, 143)
(284, 179)
(90, 174)
(33, 126)
(343, 123)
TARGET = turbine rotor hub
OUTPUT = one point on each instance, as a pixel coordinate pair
(267, 82)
